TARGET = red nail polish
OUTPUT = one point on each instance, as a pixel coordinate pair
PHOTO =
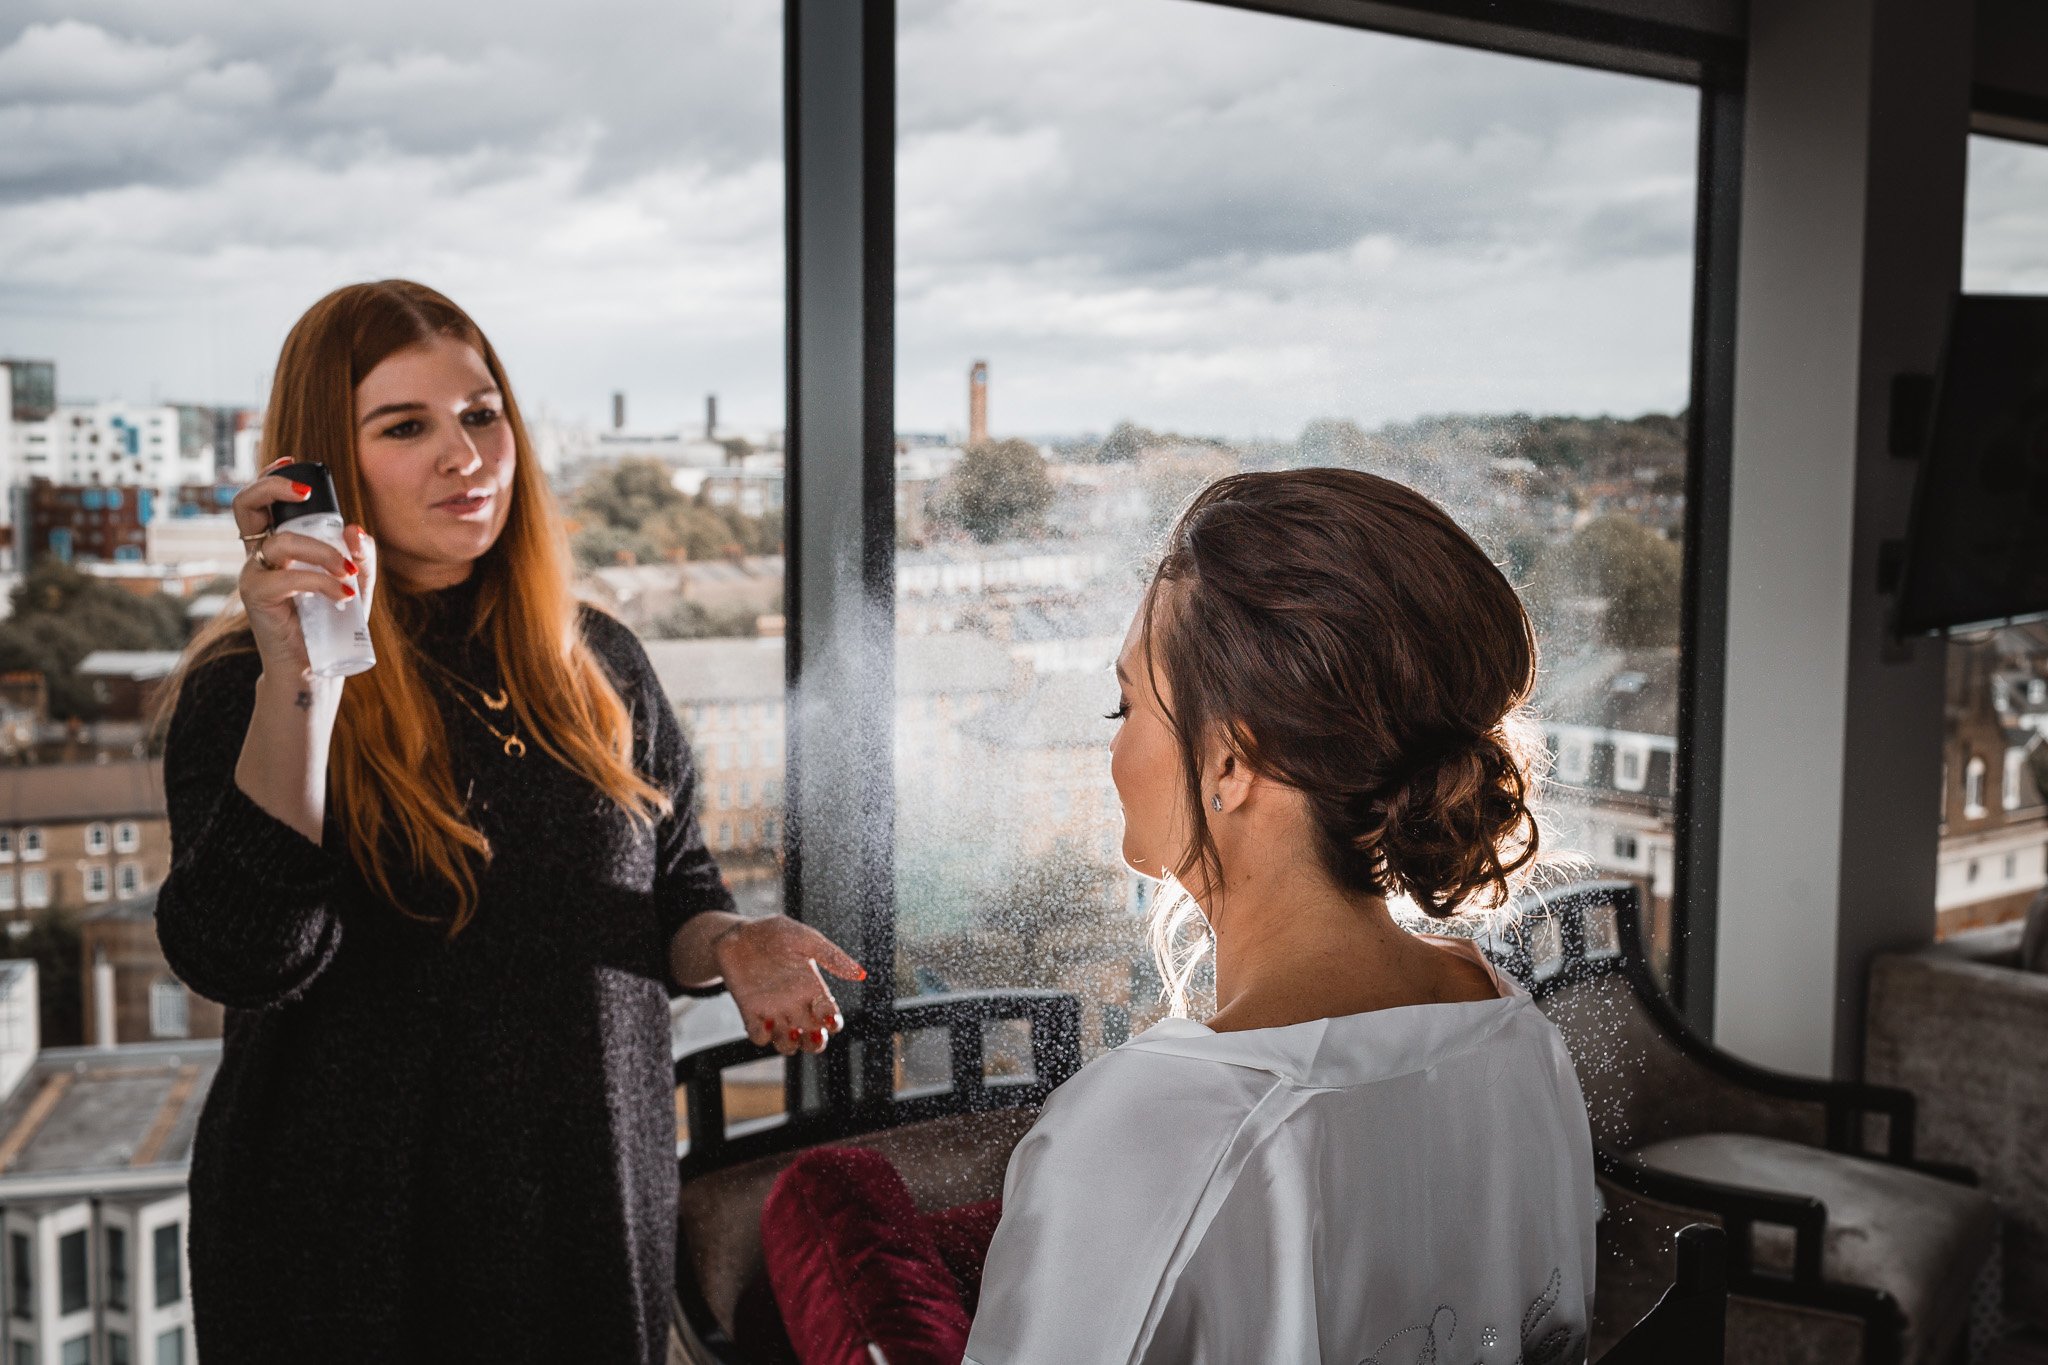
(768, 1024)
(348, 566)
(301, 488)
(821, 1037)
(348, 590)
(863, 975)
(796, 1035)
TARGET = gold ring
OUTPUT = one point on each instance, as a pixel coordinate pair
(263, 534)
(258, 555)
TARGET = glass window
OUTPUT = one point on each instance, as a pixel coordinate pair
(6, 845)
(73, 1290)
(1114, 288)
(117, 1267)
(35, 889)
(22, 1283)
(77, 1351)
(128, 879)
(1997, 702)
(24, 1353)
(127, 837)
(169, 1009)
(117, 1348)
(6, 890)
(96, 882)
(560, 179)
(32, 842)
(96, 838)
(170, 1347)
(170, 1274)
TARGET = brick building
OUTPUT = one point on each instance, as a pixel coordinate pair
(1994, 814)
(76, 836)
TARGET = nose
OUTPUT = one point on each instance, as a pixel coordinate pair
(460, 456)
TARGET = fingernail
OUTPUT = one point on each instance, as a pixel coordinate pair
(348, 566)
(301, 488)
(796, 1035)
(348, 590)
(277, 463)
(821, 1037)
(768, 1023)
(863, 975)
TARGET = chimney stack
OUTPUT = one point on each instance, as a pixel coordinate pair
(710, 416)
(618, 412)
(977, 403)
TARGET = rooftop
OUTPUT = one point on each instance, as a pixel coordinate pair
(58, 793)
(104, 1118)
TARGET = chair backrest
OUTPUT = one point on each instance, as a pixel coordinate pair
(1646, 1075)
(1689, 1324)
(951, 1143)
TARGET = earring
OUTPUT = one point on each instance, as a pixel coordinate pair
(1216, 802)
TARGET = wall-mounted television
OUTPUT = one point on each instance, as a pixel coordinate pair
(1977, 554)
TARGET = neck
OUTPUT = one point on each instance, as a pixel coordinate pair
(433, 575)
(1292, 945)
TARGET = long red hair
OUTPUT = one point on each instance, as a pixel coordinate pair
(388, 771)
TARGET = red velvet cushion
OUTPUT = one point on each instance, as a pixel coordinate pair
(962, 1236)
(851, 1263)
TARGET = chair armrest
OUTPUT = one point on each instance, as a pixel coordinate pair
(1737, 1209)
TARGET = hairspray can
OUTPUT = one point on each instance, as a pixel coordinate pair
(337, 633)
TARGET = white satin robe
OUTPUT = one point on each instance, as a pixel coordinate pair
(1409, 1186)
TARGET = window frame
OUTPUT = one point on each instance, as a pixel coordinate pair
(839, 83)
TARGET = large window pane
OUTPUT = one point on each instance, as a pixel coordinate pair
(601, 187)
(1994, 799)
(1144, 243)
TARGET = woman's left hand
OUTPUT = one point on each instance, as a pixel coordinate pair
(772, 967)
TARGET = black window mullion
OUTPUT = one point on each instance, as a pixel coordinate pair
(839, 144)
(1703, 613)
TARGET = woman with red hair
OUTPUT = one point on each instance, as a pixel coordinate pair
(446, 900)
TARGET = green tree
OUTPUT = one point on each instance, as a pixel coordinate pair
(1635, 571)
(1124, 442)
(1335, 441)
(999, 489)
(61, 614)
(627, 495)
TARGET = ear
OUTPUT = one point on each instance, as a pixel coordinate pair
(1229, 777)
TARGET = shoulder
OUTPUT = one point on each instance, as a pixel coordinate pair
(1109, 1123)
(616, 646)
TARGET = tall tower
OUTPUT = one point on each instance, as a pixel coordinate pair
(618, 411)
(977, 403)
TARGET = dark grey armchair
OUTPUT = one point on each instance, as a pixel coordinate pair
(1841, 1245)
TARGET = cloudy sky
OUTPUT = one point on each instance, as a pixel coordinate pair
(1156, 209)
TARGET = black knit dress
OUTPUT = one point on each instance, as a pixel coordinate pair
(418, 1149)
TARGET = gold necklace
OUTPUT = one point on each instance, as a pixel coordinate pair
(515, 747)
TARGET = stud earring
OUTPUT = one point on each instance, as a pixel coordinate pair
(1216, 802)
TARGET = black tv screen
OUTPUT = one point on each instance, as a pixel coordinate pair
(1978, 551)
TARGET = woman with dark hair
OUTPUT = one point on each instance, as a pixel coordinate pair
(445, 900)
(1375, 1149)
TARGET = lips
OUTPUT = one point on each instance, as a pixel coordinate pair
(466, 502)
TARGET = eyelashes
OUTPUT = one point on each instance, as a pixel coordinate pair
(1122, 712)
(411, 426)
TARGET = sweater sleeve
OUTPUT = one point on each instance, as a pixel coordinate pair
(246, 915)
(687, 881)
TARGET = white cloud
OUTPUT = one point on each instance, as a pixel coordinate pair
(1182, 213)
(70, 61)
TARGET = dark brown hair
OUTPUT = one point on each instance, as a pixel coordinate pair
(1341, 635)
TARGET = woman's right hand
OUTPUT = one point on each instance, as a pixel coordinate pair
(269, 595)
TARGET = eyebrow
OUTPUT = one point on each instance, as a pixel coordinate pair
(389, 409)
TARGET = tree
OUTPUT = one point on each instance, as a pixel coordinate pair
(628, 495)
(1124, 442)
(1635, 571)
(999, 489)
(1335, 441)
(60, 615)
